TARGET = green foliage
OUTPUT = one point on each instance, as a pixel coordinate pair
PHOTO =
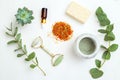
(30, 56)
(96, 73)
(16, 31)
(102, 17)
(109, 36)
(109, 28)
(11, 42)
(20, 55)
(24, 16)
(106, 55)
(17, 37)
(98, 63)
(20, 43)
(24, 49)
(32, 66)
(102, 46)
(102, 31)
(113, 47)
(13, 32)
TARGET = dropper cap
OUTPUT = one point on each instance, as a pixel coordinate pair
(43, 15)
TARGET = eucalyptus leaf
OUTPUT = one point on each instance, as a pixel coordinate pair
(32, 66)
(9, 29)
(102, 31)
(18, 36)
(58, 60)
(12, 41)
(26, 59)
(30, 56)
(9, 34)
(20, 43)
(17, 49)
(106, 55)
(20, 55)
(102, 46)
(109, 28)
(113, 47)
(96, 73)
(16, 30)
(25, 50)
(109, 36)
(102, 17)
(98, 63)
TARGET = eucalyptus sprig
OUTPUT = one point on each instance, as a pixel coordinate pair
(13, 32)
(109, 36)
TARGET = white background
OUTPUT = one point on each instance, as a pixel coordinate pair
(72, 67)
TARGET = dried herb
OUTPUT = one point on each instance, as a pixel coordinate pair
(13, 32)
(62, 31)
(109, 36)
(56, 59)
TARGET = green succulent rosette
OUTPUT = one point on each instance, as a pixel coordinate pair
(24, 16)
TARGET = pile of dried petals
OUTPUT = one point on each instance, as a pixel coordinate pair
(62, 31)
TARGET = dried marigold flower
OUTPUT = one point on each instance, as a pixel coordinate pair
(62, 31)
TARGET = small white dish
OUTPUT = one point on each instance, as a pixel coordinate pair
(86, 45)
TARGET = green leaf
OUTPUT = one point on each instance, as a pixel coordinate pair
(20, 55)
(8, 34)
(109, 28)
(36, 60)
(20, 43)
(98, 63)
(9, 29)
(11, 25)
(102, 31)
(17, 49)
(102, 17)
(30, 56)
(102, 46)
(106, 55)
(26, 59)
(12, 41)
(109, 37)
(96, 73)
(18, 36)
(32, 66)
(16, 30)
(58, 60)
(113, 47)
(25, 50)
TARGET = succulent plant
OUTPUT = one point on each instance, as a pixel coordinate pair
(24, 16)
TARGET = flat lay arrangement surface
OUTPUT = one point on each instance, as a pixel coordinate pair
(59, 40)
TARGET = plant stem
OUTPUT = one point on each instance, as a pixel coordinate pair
(103, 63)
(27, 56)
(39, 67)
(104, 59)
(109, 44)
(34, 62)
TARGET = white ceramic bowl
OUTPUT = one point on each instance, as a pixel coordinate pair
(94, 40)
